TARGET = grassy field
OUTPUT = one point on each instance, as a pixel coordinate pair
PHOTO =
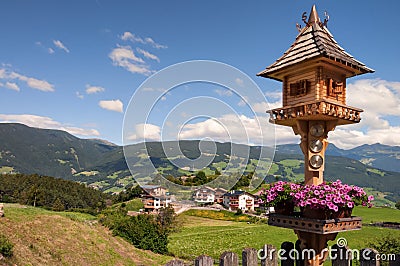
(43, 237)
(201, 235)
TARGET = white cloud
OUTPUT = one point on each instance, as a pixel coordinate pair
(148, 54)
(234, 128)
(112, 105)
(380, 100)
(128, 36)
(124, 57)
(221, 93)
(154, 44)
(50, 50)
(33, 83)
(38, 84)
(12, 86)
(46, 122)
(239, 82)
(262, 107)
(79, 95)
(155, 89)
(380, 123)
(274, 95)
(93, 89)
(146, 132)
(242, 103)
(60, 45)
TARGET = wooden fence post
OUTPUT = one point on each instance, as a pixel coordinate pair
(299, 259)
(368, 257)
(396, 261)
(249, 257)
(269, 256)
(341, 256)
(204, 260)
(175, 263)
(287, 256)
(229, 259)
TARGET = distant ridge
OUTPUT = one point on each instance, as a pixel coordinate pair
(102, 164)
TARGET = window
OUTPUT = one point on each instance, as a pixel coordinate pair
(300, 88)
(334, 87)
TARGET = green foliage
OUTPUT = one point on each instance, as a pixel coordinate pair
(386, 245)
(6, 247)
(58, 205)
(144, 231)
(130, 193)
(244, 181)
(212, 237)
(50, 193)
(166, 220)
(219, 215)
(398, 205)
(200, 178)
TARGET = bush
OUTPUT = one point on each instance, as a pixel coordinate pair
(144, 231)
(6, 247)
(239, 212)
(386, 245)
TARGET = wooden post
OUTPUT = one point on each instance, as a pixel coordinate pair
(396, 261)
(368, 257)
(341, 256)
(269, 256)
(287, 256)
(175, 263)
(299, 260)
(229, 259)
(249, 257)
(204, 260)
(315, 245)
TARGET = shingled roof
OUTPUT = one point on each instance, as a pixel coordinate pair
(314, 41)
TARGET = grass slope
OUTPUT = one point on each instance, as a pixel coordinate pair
(43, 237)
(212, 237)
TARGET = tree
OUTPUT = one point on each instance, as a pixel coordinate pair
(58, 205)
(166, 220)
(200, 178)
(398, 205)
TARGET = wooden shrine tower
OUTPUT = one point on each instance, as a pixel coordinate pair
(314, 72)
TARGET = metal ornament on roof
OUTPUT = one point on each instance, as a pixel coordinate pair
(304, 19)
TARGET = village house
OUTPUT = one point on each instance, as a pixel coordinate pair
(219, 195)
(155, 190)
(238, 199)
(156, 197)
(204, 195)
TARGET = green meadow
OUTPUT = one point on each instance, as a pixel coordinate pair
(200, 235)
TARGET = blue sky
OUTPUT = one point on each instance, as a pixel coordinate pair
(74, 65)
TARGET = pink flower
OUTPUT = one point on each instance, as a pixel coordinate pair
(370, 198)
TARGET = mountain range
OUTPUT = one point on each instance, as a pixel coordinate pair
(101, 164)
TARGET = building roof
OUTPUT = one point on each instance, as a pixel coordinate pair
(237, 193)
(150, 187)
(314, 41)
